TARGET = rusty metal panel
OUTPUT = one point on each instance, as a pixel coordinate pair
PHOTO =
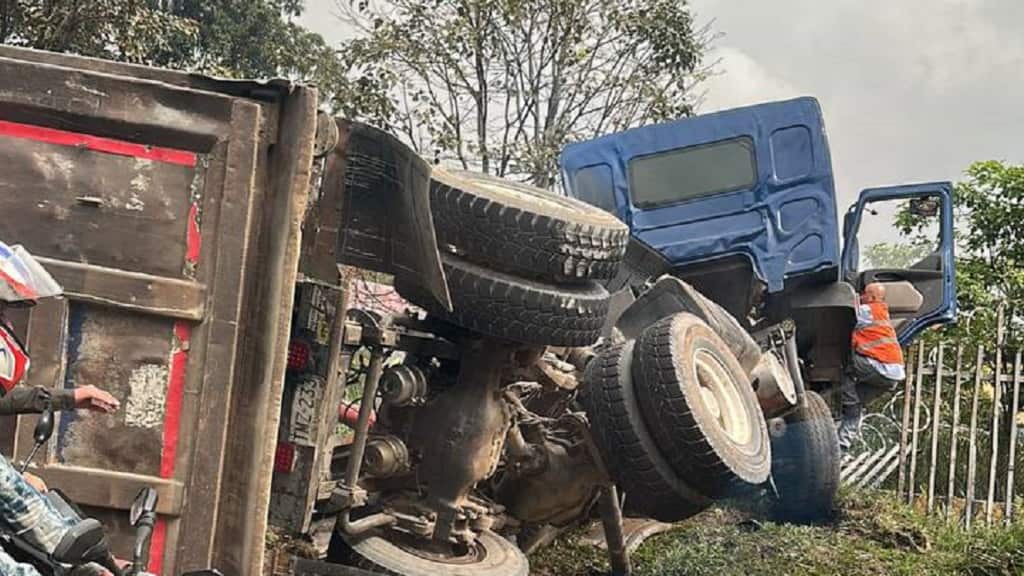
(172, 216)
(79, 205)
(139, 374)
(272, 270)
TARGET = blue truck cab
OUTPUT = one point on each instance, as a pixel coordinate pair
(742, 205)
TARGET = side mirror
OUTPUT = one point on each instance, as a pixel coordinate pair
(44, 427)
(924, 207)
(144, 505)
(42, 433)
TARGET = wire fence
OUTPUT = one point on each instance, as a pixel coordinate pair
(947, 441)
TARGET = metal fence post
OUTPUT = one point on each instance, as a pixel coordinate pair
(951, 481)
(972, 451)
(905, 429)
(997, 392)
(936, 412)
(917, 424)
(1011, 466)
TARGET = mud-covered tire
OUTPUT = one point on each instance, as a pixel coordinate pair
(633, 460)
(805, 467)
(700, 407)
(505, 306)
(499, 557)
(524, 230)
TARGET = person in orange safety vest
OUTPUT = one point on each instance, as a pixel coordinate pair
(876, 361)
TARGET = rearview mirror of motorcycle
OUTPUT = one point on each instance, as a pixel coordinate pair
(42, 433)
(44, 427)
(144, 505)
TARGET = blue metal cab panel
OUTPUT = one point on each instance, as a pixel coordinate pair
(753, 181)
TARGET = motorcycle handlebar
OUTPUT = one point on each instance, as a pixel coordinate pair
(143, 534)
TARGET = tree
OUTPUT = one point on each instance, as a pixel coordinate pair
(234, 38)
(902, 255)
(501, 85)
(989, 209)
(128, 30)
(990, 268)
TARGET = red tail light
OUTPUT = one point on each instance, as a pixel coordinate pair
(284, 457)
(298, 355)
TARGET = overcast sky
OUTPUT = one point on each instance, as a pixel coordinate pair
(912, 90)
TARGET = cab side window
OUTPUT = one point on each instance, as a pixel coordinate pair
(593, 185)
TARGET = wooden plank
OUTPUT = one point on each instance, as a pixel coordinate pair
(917, 425)
(997, 393)
(1012, 441)
(905, 427)
(855, 471)
(936, 428)
(134, 291)
(850, 469)
(972, 450)
(951, 481)
(110, 489)
(885, 473)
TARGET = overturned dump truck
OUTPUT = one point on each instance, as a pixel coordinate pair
(209, 235)
(520, 396)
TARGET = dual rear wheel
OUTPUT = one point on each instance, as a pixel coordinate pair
(678, 424)
(676, 419)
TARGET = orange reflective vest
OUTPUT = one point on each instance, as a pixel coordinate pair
(878, 339)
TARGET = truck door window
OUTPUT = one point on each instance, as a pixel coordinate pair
(593, 185)
(901, 251)
(693, 172)
(886, 242)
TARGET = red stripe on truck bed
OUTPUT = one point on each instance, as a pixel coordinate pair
(172, 427)
(99, 144)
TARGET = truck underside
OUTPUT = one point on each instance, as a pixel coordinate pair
(491, 419)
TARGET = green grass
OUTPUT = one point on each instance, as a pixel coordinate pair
(873, 535)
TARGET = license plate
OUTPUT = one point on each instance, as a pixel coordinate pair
(304, 411)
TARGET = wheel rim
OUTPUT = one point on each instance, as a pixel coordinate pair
(472, 553)
(394, 552)
(721, 398)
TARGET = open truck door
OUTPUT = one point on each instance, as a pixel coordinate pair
(918, 276)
